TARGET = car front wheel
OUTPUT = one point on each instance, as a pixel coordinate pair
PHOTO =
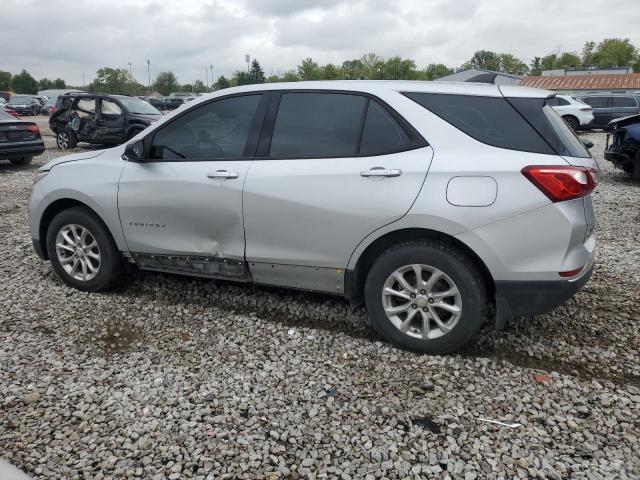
(66, 140)
(82, 251)
(425, 296)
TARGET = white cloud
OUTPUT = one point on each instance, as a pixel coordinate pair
(60, 40)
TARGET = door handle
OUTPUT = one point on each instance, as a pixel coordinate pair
(222, 174)
(381, 172)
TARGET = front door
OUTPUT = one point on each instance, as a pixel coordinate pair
(339, 166)
(110, 122)
(186, 199)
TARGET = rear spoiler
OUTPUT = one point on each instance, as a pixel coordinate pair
(623, 122)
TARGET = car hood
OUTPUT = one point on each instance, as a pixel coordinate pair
(70, 158)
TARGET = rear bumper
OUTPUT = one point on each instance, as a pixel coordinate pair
(521, 298)
(616, 157)
(21, 149)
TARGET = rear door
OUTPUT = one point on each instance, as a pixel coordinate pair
(110, 122)
(601, 105)
(334, 167)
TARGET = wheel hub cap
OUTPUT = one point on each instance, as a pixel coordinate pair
(422, 301)
(78, 252)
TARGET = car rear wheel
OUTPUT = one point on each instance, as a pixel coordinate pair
(66, 140)
(426, 297)
(21, 161)
(82, 251)
(573, 122)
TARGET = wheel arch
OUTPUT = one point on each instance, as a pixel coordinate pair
(55, 208)
(355, 277)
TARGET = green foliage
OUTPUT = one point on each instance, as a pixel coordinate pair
(435, 71)
(5, 80)
(112, 80)
(536, 66)
(199, 87)
(165, 83)
(309, 70)
(614, 52)
(58, 83)
(241, 78)
(256, 74)
(221, 83)
(24, 83)
(497, 62)
(45, 84)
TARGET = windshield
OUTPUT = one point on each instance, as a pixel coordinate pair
(16, 100)
(135, 105)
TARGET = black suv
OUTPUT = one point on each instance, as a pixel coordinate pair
(609, 106)
(99, 118)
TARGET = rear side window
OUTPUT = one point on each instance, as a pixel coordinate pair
(557, 102)
(596, 102)
(490, 120)
(317, 125)
(381, 134)
(87, 105)
(624, 102)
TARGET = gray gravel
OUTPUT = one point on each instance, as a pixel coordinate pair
(171, 377)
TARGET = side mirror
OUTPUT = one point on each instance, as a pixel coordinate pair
(587, 143)
(134, 152)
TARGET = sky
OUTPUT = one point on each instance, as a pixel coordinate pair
(66, 38)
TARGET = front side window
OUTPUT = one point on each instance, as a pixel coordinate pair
(109, 107)
(624, 102)
(218, 129)
(317, 125)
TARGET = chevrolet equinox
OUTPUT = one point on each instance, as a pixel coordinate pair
(434, 204)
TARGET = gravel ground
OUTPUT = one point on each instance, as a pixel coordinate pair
(171, 377)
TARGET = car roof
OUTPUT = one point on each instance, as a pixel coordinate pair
(378, 86)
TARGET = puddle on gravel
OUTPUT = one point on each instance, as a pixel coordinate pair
(581, 371)
(118, 338)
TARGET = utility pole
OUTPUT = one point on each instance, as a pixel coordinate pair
(247, 59)
(206, 72)
(211, 68)
(149, 74)
(83, 85)
(130, 70)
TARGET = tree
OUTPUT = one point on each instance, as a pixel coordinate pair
(435, 71)
(58, 83)
(256, 74)
(614, 52)
(332, 72)
(485, 59)
(241, 78)
(569, 60)
(5, 80)
(111, 80)
(199, 87)
(512, 65)
(309, 70)
(24, 83)
(165, 83)
(353, 69)
(45, 84)
(397, 68)
(588, 52)
(186, 87)
(536, 66)
(221, 83)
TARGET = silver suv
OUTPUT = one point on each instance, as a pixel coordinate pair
(433, 204)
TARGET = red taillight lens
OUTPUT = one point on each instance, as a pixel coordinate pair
(34, 129)
(52, 109)
(571, 273)
(586, 109)
(561, 183)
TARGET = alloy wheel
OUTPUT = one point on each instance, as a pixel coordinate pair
(63, 140)
(422, 301)
(78, 252)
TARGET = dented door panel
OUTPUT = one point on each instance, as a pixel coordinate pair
(177, 208)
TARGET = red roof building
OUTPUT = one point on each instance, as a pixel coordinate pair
(586, 83)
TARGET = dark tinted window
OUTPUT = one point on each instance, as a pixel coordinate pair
(381, 134)
(219, 129)
(596, 102)
(557, 102)
(624, 102)
(317, 125)
(491, 120)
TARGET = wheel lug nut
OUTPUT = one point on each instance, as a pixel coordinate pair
(425, 309)
(423, 292)
(414, 306)
(431, 300)
(413, 295)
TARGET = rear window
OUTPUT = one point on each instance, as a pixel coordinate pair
(381, 134)
(490, 120)
(624, 102)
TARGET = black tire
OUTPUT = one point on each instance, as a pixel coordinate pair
(456, 266)
(66, 139)
(21, 161)
(573, 122)
(110, 269)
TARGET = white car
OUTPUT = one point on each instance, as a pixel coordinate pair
(572, 111)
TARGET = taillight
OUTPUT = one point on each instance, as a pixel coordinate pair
(52, 109)
(34, 129)
(560, 183)
(571, 273)
(586, 109)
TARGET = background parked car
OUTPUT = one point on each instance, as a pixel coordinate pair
(575, 113)
(50, 106)
(24, 104)
(41, 103)
(624, 149)
(156, 102)
(20, 140)
(99, 118)
(171, 103)
(609, 106)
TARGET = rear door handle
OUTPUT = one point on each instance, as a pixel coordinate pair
(381, 172)
(222, 174)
